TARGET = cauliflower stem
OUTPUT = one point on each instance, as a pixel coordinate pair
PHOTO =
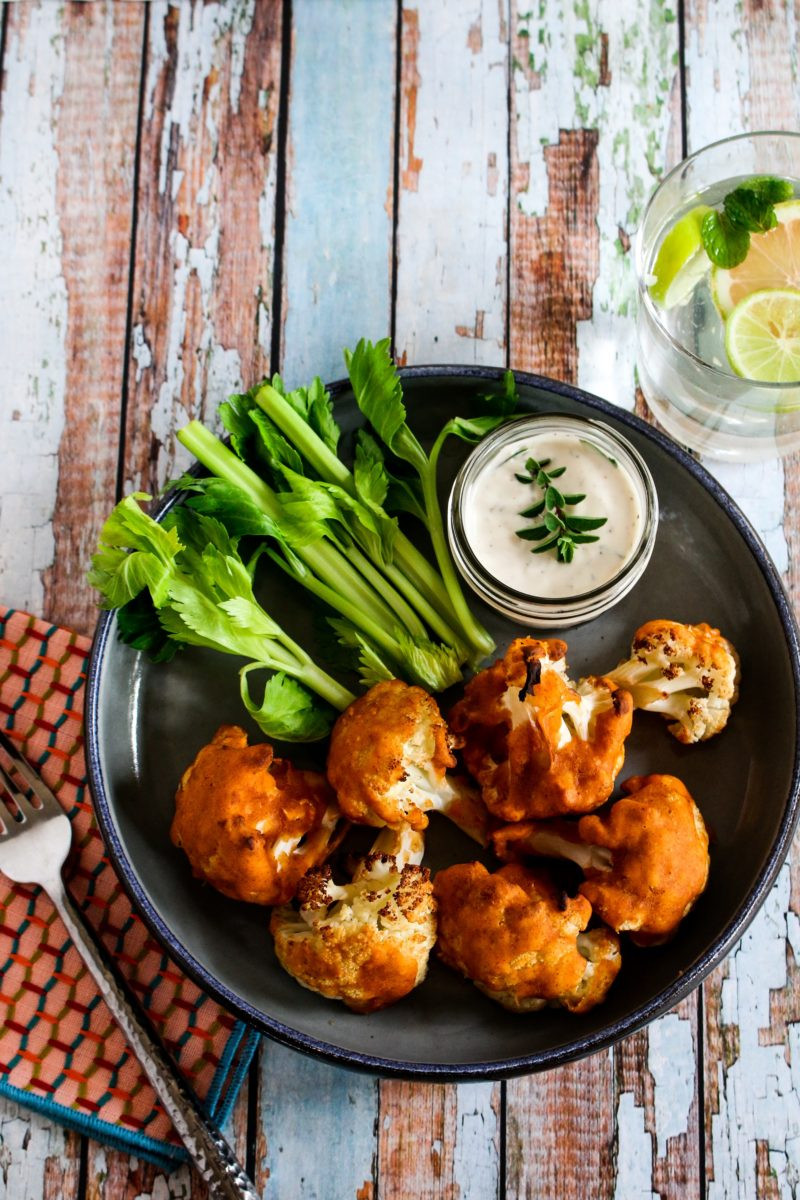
(365, 942)
(689, 673)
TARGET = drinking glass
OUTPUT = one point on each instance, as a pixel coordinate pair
(682, 367)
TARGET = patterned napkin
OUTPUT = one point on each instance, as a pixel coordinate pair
(60, 1050)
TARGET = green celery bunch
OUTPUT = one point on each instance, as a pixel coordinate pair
(201, 591)
(297, 416)
(317, 538)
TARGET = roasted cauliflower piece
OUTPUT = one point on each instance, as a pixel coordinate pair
(366, 942)
(538, 744)
(388, 758)
(250, 824)
(645, 861)
(520, 939)
(689, 673)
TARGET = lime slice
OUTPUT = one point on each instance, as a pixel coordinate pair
(681, 261)
(773, 261)
(762, 336)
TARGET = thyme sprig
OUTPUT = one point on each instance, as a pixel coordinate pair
(562, 530)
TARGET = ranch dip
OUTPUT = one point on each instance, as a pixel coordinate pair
(496, 498)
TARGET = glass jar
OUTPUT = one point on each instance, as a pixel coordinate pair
(516, 440)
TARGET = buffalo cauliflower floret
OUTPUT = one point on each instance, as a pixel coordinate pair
(366, 942)
(250, 824)
(689, 673)
(520, 939)
(645, 861)
(388, 759)
(538, 744)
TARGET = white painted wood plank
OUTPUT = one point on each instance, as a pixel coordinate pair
(742, 74)
(340, 168)
(759, 1090)
(33, 301)
(453, 183)
(724, 98)
(610, 67)
(671, 1060)
(731, 88)
(202, 317)
(476, 1150)
(38, 1159)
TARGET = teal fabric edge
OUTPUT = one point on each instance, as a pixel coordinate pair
(161, 1154)
(226, 1058)
(252, 1040)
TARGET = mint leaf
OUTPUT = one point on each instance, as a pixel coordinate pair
(749, 209)
(725, 244)
(776, 191)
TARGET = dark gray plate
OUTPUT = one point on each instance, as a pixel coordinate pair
(145, 723)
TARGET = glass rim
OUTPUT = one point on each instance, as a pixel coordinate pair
(767, 388)
(636, 467)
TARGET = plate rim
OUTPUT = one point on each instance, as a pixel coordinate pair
(540, 1060)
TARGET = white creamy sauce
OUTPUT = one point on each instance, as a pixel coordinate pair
(497, 497)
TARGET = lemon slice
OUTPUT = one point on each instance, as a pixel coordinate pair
(773, 261)
(762, 336)
(681, 260)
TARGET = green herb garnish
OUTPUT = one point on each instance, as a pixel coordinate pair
(560, 530)
(749, 208)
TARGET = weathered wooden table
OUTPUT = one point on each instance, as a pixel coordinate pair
(192, 196)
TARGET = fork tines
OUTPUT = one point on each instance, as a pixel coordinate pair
(34, 785)
(10, 794)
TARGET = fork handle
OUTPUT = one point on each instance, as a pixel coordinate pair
(212, 1155)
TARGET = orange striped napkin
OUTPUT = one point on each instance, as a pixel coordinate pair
(60, 1050)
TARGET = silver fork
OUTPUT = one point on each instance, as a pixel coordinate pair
(34, 843)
